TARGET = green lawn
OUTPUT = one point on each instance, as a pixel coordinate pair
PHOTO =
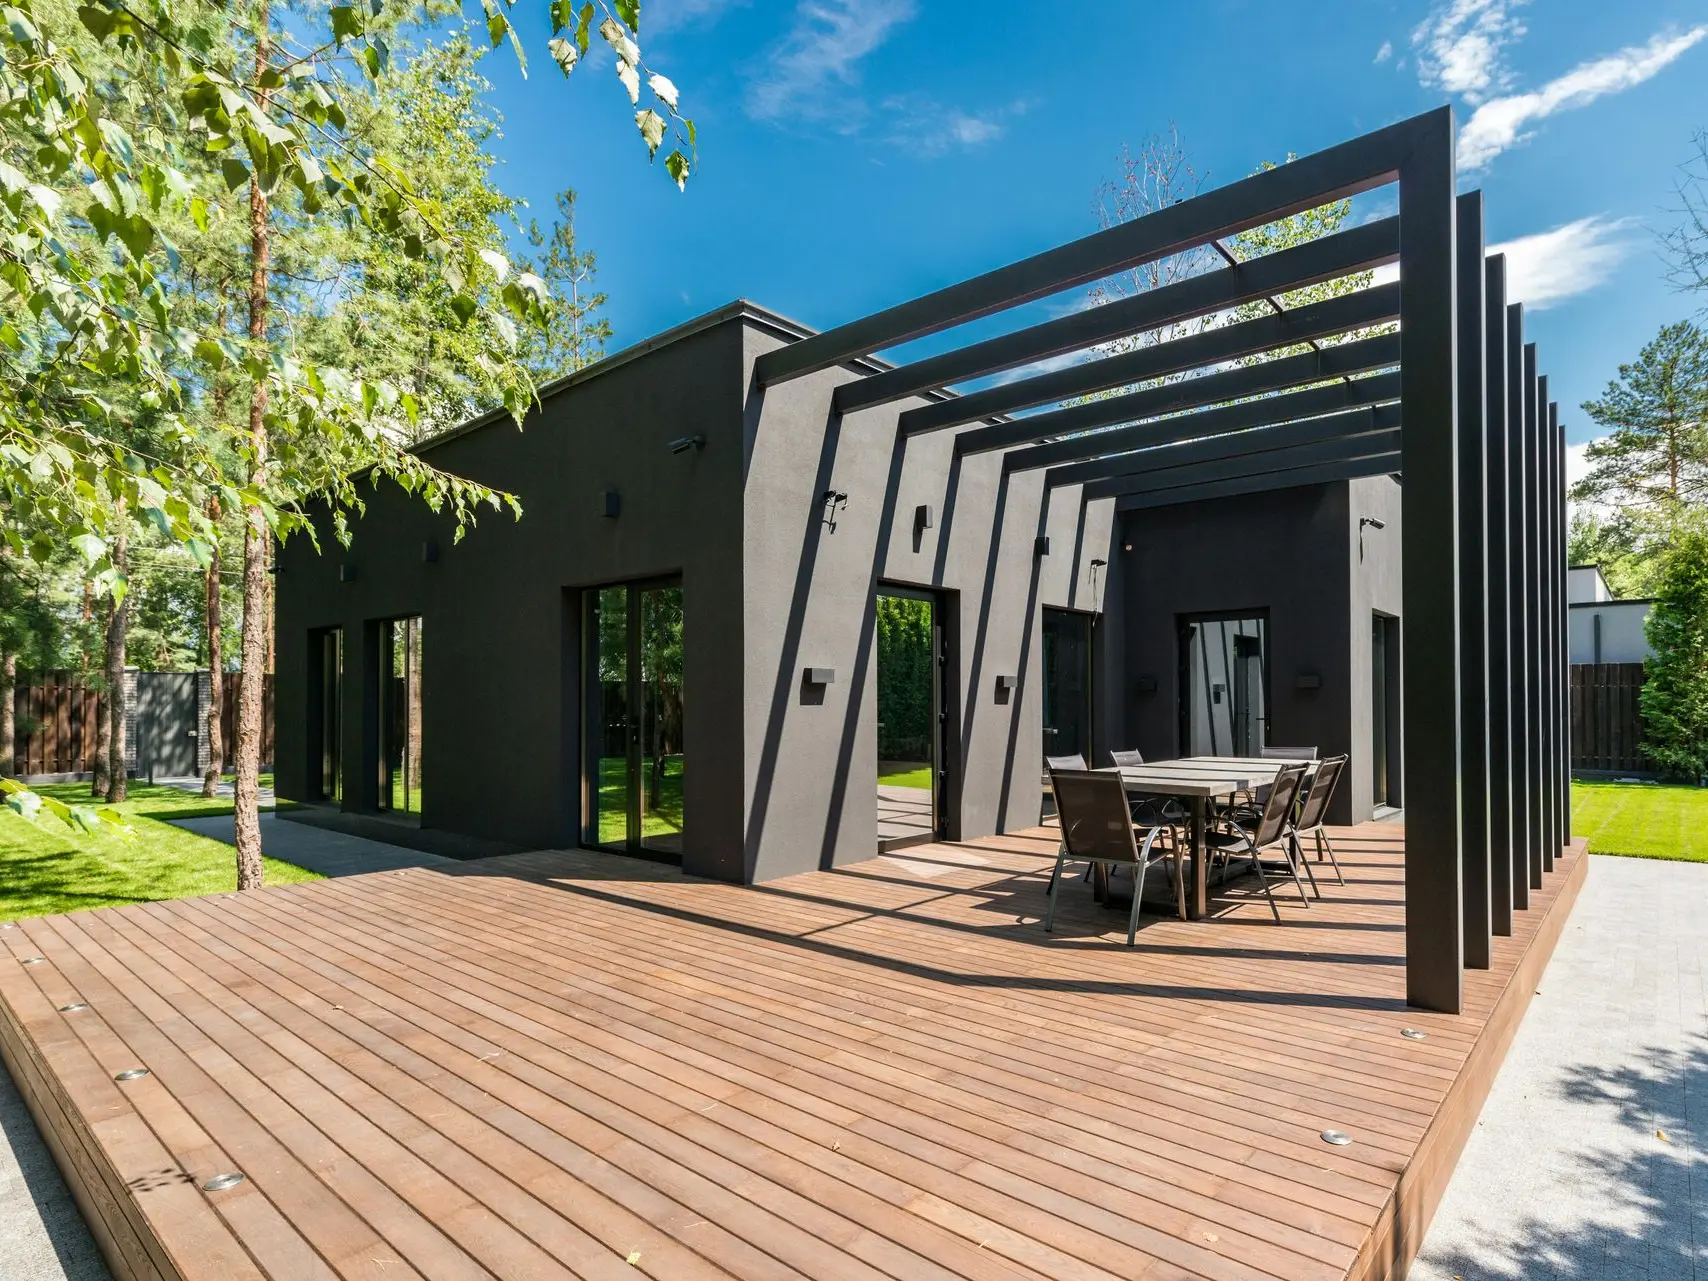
(1644, 820)
(664, 818)
(904, 774)
(45, 867)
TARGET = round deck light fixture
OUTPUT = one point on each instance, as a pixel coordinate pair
(1338, 1138)
(220, 1182)
(32, 960)
(131, 1074)
(1412, 1034)
(74, 1007)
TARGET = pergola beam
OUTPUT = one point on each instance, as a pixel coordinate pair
(1261, 379)
(1306, 183)
(1266, 411)
(1257, 444)
(1375, 444)
(1361, 309)
(1360, 249)
(1260, 483)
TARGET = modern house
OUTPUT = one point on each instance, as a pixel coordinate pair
(1602, 627)
(1190, 546)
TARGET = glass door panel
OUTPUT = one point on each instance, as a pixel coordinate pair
(633, 718)
(331, 714)
(909, 698)
(1224, 686)
(400, 716)
(661, 719)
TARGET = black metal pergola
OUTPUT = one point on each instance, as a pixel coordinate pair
(1451, 402)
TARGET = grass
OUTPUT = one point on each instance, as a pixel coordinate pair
(904, 774)
(47, 868)
(1642, 820)
(664, 818)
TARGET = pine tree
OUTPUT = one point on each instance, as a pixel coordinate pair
(1655, 454)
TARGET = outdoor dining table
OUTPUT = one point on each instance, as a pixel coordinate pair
(1198, 780)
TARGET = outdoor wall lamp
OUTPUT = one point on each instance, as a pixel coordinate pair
(613, 507)
(834, 501)
(1308, 680)
(1041, 546)
(819, 676)
(682, 444)
(1370, 522)
(921, 518)
(346, 573)
(429, 552)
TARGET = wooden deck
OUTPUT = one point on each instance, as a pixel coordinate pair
(554, 1065)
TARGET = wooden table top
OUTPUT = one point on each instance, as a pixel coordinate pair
(1165, 777)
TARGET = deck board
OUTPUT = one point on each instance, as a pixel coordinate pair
(575, 1064)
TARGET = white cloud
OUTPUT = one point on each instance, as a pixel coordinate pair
(664, 16)
(1461, 46)
(1500, 122)
(811, 72)
(924, 126)
(1385, 52)
(1551, 266)
(1577, 465)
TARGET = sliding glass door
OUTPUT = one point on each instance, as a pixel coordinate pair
(400, 716)
(632, 718)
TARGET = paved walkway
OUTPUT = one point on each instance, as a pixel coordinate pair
(318, 849)
(42, 1236)
(1586, 1162)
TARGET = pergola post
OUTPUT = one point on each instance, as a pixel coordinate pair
(1522, 660)
(1430, 569)
(1473, 587)
(1562, 642)
(1550, 608)
(1534, 489)
(1498, 608)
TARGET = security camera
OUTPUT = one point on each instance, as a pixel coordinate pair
(682, 444)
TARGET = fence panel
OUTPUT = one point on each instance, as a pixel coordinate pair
(54, 724)
(1607, 717)
(228, 718)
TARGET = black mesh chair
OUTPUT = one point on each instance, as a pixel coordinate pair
(1150, 811)
(1097, 826)
(1313, 810)
(1273, 830)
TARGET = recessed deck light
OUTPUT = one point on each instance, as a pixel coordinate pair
(73, 1007)
(1412, 1034)
(1339, 1138)
(220, 1182)
(130, 1074)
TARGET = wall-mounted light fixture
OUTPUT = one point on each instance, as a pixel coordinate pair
(1308, 680)
(1368, 522)
(834, 501)
(819, 676)
(1005, 686)
(922, 518)
(1041, 545)
(1096, 568)
(346, 573)
(429, 552)
(1145, 684)
(612, 505)
(682, 444)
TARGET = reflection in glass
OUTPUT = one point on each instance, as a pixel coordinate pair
(400, 716)
(608, 716)
(331, 714)
(1067, 683)
(661, 718)
(1225, 686)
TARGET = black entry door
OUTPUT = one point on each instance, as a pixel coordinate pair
(1067, 684)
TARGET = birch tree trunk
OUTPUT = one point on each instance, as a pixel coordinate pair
(216, 668)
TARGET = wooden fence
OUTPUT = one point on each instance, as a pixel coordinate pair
(1607, 717)
(54, 732)
(228, 718)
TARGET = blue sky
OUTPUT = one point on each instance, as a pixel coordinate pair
(855, 153)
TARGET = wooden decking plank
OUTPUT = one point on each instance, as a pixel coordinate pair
(885, 1070)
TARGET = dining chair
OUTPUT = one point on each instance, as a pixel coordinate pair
(1272, 830)
(1312, 815)
(1287, 753)
(1097, 827)
(1149, 809)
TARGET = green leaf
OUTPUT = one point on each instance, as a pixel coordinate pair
(676, 165)
(464, 306)
(496, 27)
(346, 23)
(562, 14)
(651, 126)
(90, 547)
(629, 12)
(584, 28)
(199, 212)
(235, 171)
(98, 20)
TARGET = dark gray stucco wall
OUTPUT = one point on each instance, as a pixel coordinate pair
(810, 768)
(1284, 554)
(1375, 567)
(500, 610)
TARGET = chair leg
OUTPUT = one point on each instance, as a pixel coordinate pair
(1179, 873)
(1133, 913)
(1324, 843)
(1296, 856)
(1055, 887)
(1263, 880)
(1056, 871)
(1294, 869)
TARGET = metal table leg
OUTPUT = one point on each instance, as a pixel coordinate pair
(1196, 904)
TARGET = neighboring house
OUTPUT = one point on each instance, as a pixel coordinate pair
(1604, 629)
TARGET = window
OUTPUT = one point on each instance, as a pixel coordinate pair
(400, 716)
(326, 714)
